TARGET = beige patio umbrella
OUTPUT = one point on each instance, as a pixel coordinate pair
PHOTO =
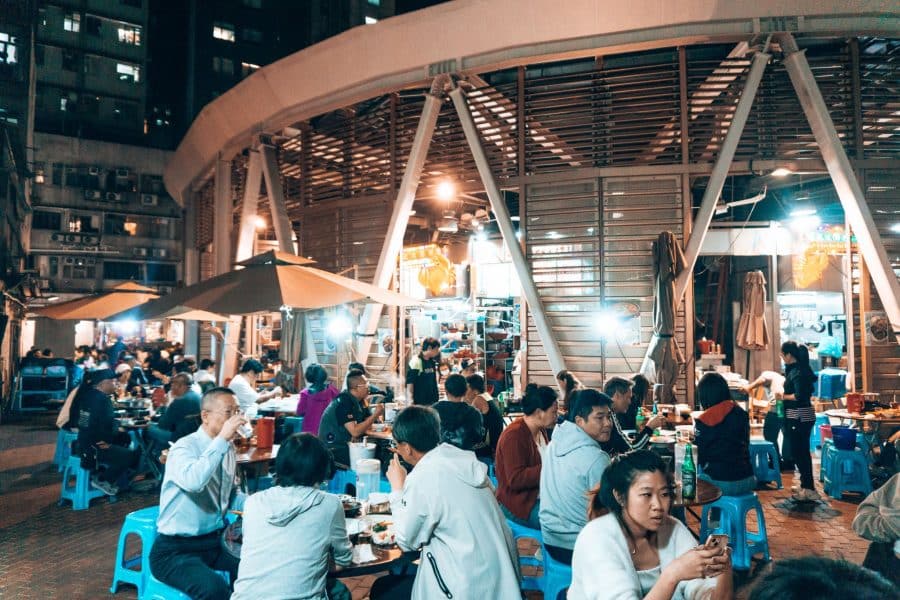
(751, 331)
(100, 306)
(664, 355)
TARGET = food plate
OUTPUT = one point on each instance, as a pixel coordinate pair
(383, 532)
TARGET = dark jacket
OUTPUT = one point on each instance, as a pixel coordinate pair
(518, 467)
(723, 442)
(182, 417)
(800, 381)
(96, 420)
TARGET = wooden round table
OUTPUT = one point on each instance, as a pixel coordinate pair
(707, 493)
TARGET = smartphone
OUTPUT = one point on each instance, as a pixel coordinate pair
(717, 541)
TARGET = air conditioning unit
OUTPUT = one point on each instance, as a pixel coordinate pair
(149, 199)
(89, 239)
(113, 197)
(92, 248)
(140, 252)
(90, 261)
(57, 237)
(160, 252)
(94, 171)
(69, 260)
(93, 195)
(122, 173)
(71, 238)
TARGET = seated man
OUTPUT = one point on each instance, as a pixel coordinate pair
(446, 507)
(244, 386)
(461, 424)
(182, 416)
(347, 417)
(619, 390)
(99, 439)
(197, 491)
(572, 467)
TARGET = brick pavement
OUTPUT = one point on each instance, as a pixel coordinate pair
(47, 551)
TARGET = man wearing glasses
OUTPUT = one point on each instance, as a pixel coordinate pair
(347, 417)
(197, 491)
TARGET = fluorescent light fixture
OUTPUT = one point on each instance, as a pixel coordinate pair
(514, 218)
(803, 212)
(52, 298)
(553, 235)
(781, 172)
(895, 227)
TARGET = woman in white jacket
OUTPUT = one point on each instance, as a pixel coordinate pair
(638, 550)
(446, 507)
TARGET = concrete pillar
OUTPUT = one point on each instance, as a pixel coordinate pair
(280, 220)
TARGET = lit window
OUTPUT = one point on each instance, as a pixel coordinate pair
(223, 31)
(371, 20)
(7, 49)
(248, 68)
(72, 22)
(63, 104)
(223, 65)
(126, 72)
(129, 34)
(375, 2)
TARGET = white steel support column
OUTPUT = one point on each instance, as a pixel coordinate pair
(848, 189)
(280, 220)
(504, 222)
(222, 222)
(393, 240)
(718, 176)
(247, 232)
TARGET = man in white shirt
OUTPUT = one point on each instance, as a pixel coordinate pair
(197, 491)
(244, 387)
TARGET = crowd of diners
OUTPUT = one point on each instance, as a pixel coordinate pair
(601, 501)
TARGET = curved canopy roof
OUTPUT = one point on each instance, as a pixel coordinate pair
(476, 36)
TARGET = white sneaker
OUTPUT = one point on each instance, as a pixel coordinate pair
(805, 495)
(106, 487)
(795, 489)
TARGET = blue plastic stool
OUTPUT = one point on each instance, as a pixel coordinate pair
(338, 483)
(815, 438)
(764, 458)
(141, 523)
(64, 439)
(79, 493)
(827, 449)
(295, 423)
(157, 590)
(530, 582)
(733, 523)
(557, 575)
(848, 471)
(384, 486)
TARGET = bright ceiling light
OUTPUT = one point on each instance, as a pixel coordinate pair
(446, 191)
(803, 225)
(607, 324)
(895, 227)
(260, 223)
(781, 172)
(339, 327)
(803, 212)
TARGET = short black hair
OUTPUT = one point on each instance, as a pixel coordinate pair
(616, 385)
(251, 364)
(303, 459)
(455, 385)
(538, 397)
(711, 390)
(476, 382)
(316, 374)
(356, 366)
(429, 343)
(821, 578)
(353, 378)
(210, 395)
(207, 363)
(461, 425)
(584, 401)
(419, 426)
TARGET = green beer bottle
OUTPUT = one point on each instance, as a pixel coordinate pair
(688, 474)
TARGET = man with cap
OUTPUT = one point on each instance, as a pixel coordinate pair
(138, 377)
(99, 439)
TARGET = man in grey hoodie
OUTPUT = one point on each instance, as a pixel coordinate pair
(573, 465)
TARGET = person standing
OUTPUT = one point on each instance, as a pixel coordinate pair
(421, 377)
(99, 439)
(799, 415)
(347, 417)
(198, 489)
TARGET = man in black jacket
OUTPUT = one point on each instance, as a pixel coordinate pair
(619, 389)
(98, 436)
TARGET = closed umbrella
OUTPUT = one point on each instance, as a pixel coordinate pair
(751, 332)
(664, 355)
(101, 306)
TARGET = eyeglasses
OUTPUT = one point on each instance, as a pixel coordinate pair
(359, 385)
(226, 413)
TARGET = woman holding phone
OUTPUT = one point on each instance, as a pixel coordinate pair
(637, 550)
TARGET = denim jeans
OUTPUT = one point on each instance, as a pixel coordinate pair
(740, 487)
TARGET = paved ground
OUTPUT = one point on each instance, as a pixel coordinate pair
(47, 551)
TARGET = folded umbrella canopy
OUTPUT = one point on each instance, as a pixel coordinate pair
(751, 331)
(664, 355)
(268, 282)
(101, 306)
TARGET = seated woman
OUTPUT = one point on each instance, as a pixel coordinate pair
(637, 550)
(315, 398)
(722, 435)
(568, 385)
(477, 397)
(294, 530)
(518, 458)
(878, 520)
